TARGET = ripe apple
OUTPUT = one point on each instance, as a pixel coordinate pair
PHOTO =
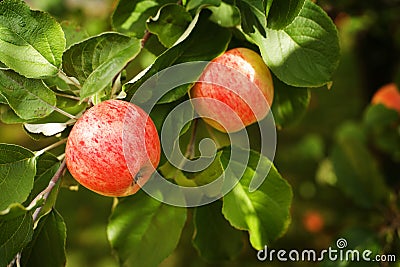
(113, 148)
(234, 90)
(389, 96)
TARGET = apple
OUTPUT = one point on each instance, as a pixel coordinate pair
(113, 148)
(234, 90)
(389, 96)
(313, 221)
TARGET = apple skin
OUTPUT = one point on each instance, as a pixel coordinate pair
(389, 96)
(106, 149)
(241, 87)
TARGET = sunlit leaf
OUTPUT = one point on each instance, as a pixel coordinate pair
(31, 42)
(305, 53)
(96, 61)
(28, 98)
(264, 212)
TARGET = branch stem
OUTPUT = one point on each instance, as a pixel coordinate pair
(50, 147)
(46, 192)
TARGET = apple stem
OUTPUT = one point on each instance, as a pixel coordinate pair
(66, 114)
(69, 96)
(50, 147)
(46, 192)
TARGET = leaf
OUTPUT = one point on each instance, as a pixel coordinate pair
(15, 234)
(31, 42)
(47, 248)
(169, 24)
(97, 60)
(205, 42)
(283, 12)
(29, 98)
(225, 15)
(253, 16)
(215, 239)
(355, 168)
(48, 129)
(130, 17)
(265, 212)
(17, 170)
(197, 4)
(290, 103)
(305, 53)
(137, 225)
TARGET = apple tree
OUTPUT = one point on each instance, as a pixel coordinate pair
(52, 73)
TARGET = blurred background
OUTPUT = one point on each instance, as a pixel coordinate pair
(322, 210)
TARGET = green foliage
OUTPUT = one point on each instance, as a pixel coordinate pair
(32, 41)
(17, 170)
(264, 212)
(52, 72)
(137, 225)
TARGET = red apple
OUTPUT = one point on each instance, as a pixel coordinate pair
(389, 96)
(234, 91)
(113, 148)
(313, 221)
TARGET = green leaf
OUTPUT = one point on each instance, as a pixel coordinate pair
(17, 170)
(96, 61)
(15, 234)
(16, 210)
(283, 12)
(290, 103)
(205, 42)
(29, 98)
(215, 239)
(356, 170)
(47, 248)
(225, 15)
(253, 16)
(31, 42)
(130, 17)
(305, 53)
(169, 24)
(265, 212)
(138, 224)
(196, 4)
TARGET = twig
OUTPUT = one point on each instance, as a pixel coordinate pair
(46, 192)
(189, 153)
(145, 38)
(50, 147)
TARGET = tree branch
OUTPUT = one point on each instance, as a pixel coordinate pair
(46, 192)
